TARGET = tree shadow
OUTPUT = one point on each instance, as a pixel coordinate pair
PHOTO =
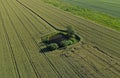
(44, 50)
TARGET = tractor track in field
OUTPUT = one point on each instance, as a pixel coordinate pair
(10, 48)
(96, 70)
(79, 72)
(87, 63)
(24, 47)
(103, 60)
(92, 29)
(38, 16)
(44, 55)
(110, 57)
(52, 65)
(87, 34)
(97, 35)
(92, 65)
(31, 21)
(110, 50)
(101, 51)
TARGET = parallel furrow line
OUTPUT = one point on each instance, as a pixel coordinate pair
(75, 69)
(103, 60)
(10, 47)
(24, 47)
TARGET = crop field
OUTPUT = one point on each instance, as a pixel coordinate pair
(24, 22)
(111, 7)
(91, 10)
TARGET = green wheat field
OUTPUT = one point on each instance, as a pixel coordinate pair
(24, 22)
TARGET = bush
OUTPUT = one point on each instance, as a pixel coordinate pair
(65, 43)
(73, 40)
(52, 46)
(69, 42)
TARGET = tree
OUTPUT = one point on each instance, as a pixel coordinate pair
(70, 31)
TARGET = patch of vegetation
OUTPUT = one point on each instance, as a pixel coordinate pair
(98, 17)
(52, 46)
(65, 43)
(70, 31)
(61, 39)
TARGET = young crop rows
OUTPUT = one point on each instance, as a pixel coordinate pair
(24, 22)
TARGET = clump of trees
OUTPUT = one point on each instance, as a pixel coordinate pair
(69, 40)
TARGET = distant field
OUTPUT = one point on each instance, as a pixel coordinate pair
(76, 8)
(24, 22)
(111, 7)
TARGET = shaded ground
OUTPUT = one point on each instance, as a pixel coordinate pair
(57, 38)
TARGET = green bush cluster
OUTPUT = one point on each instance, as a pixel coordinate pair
(73, 40)
(65, 43)
(70, 39)
(53, 46)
